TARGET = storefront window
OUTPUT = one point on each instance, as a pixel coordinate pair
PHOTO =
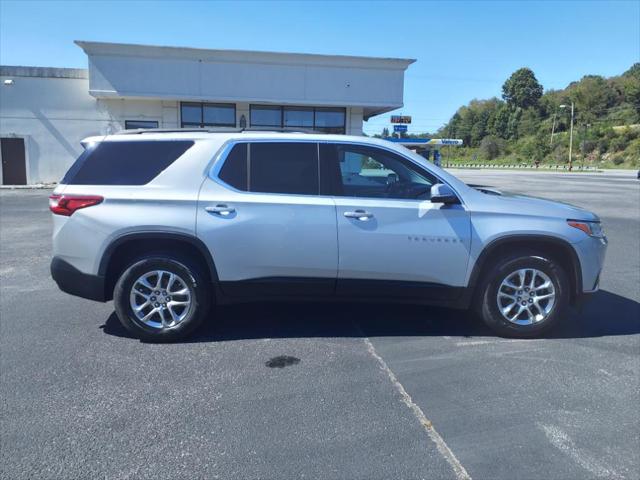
(322, 119)
(298, 117)
(330, 120)
(218, 115)
(207, 114)
(133, 124)
(266, 116)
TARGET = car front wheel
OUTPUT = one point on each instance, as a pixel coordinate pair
(524, 295)
(161, 299)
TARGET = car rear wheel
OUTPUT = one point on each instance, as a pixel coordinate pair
(161, 298)
(524, 295)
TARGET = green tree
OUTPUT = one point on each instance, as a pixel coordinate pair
(500, 125)
(385, 132)
(523, 123)
(593, 96)
(631, 86)
(522, 89)
(514, 119)
(534, 148)
(529, 122)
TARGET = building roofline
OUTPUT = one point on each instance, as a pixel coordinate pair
(45, 72)
(249, 56)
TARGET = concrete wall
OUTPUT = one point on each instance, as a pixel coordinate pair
(53, 114)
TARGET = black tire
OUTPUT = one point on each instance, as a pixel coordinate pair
(487, 304)
(200, 290)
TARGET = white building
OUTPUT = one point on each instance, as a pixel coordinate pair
(45, 112)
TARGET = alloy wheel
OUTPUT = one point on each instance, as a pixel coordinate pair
(526, 296)
(160, 299)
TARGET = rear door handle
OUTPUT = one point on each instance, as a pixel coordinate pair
(223, 210)
(361, 215)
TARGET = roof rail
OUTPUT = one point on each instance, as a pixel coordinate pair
(139, 131)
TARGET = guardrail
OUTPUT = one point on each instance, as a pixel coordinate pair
(525, 166)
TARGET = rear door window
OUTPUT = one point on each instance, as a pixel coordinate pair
(125, 162)
(284, 168)
(273, 167)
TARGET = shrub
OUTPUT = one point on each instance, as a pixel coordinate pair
(603, 145)
(619, 143)
(490, 147)
(617, 159)
(587, 146)
(633, 152)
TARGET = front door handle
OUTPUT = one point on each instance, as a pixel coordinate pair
(223, 210)
(361, 215)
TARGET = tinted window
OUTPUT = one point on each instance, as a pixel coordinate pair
(207, 114)
(361, 171)
(129, 124)
(191, 114)
(298, 117)
(234, 170)
(124, 163)
(284, 168)
(330, 120)
(265, 116)
(322, 119)
(218, 115)
(329, 117)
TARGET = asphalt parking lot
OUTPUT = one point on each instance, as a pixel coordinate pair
(370, 391)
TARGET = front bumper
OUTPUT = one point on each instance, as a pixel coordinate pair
(591, 252)
(73, 281)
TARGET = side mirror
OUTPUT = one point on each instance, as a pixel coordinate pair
(441, 193)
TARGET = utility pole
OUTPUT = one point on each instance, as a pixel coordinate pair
(585, 128)
(571, 139)
(553, 129)
(570, 136)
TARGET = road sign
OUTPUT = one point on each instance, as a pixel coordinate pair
(399, 128)
(400, 118)
(450, 141)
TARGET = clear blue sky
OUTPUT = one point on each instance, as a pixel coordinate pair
(465, 50)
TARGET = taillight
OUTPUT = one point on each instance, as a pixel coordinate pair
(67, 204)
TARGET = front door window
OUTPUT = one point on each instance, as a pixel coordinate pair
(369, 172)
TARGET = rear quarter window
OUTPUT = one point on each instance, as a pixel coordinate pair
(235, 168)
(125, 163)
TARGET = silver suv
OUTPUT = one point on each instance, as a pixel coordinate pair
(169, 223)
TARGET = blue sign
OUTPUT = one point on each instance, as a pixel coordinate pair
(399, 128)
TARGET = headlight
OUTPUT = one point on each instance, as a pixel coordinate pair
(593, 229)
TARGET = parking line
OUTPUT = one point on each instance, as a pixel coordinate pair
(561, 440)
(443, 448)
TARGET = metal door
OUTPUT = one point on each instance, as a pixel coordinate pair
(14, 168)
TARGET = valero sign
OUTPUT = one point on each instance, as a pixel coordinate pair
(400, 118)
(450, 141)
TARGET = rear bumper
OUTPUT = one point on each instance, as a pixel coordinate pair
(73, 281)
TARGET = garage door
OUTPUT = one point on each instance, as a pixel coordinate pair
(14, 169)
